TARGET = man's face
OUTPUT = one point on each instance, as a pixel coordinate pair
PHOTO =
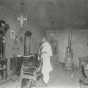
(3, 24)
(43, 40)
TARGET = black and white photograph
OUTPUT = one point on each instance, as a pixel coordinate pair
(43, 43)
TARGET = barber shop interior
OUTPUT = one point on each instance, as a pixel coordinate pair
(43, 43)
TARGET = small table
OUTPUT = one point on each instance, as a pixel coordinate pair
(15, 65)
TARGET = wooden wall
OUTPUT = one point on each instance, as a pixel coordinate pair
(12, 47)
(79, 43)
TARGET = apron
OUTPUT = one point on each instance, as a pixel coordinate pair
(46, 63)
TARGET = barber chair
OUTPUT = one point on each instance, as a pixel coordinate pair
(30, 71)
(3, 61)
(83, 69)
(31, 66)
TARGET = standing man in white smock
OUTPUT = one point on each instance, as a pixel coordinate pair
(46, 55)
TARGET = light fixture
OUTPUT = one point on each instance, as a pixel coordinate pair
(21, 18)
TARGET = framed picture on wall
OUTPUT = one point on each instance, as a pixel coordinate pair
(12, 34)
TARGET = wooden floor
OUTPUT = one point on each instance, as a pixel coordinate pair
(58, 79)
